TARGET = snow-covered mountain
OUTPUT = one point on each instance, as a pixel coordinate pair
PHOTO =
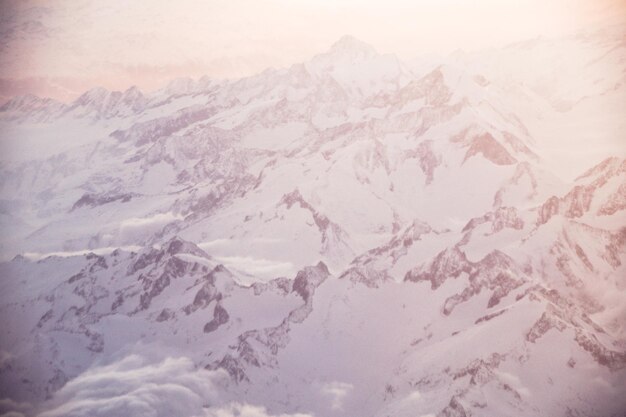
(350, 236)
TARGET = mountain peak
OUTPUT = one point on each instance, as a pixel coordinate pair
(351, 45)
(176, 245)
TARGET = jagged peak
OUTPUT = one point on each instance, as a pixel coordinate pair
(181, 85)
(321, 266)
(27, 100)
(177, 245)
(92, 94)
(350, 44)
(133, 91)
(495, 258)
(347, 50)
(309, 278)
(100, 94)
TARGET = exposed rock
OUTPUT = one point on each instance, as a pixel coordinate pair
(549, 320)
(501, 218)
(616, 202)
(448, 263)
(486, 145)
(220, 317)
(94, 200)
(454, 409)
(492, 273)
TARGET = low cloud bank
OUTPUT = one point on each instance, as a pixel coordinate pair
(138, 387)
(134, 387)
(246, 410)
(10, 408)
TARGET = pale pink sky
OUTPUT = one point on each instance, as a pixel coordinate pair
(60, 48)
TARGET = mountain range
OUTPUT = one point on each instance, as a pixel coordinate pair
(350, 236)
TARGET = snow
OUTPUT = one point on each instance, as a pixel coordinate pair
(331, 161)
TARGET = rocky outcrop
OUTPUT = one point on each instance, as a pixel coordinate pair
(211, 289)
(259, 347)
(101, 103)
(454, 409)
(483, 143)
(174, 246)
(501, 218)
(431, 88)
(161, 266)
(496, 272)
(616, 202)
(333, 236)
(94, 200)
(577, 202)
(427, 158)
(32, 108)
(220, 317)
(449, 263)
(490, 149)
(150, 131)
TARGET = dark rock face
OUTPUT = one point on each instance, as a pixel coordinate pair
(578, 200)
(176, 245)
(428, 160)
(488, 317)
(47, 316)
(99, 262)
(232, 366)
(448, 263)
(208, 291)
(165, 315)
(328, 229)
(614, 360)
(94, 200)
(454, 409)
(220, 317)
(561, 314)
(432, 88)
(616, 202)
(543, 325)
(490, 273)
(300, 286)
(174, 268)
(259, 347)
(490, 149)
(282, 285)
(150, 131)
(151, 257)
(308, 279)
(203, 298)
(163, 266)
(501, 218)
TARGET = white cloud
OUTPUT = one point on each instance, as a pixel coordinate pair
(135, 228)
(172, 387)
(10, 408)
(414, 396)
(338, 392)
(66, 254)
(257, 266)
(246, 410)
(157, 219)
(136, 386)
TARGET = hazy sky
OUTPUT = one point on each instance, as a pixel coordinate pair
(61, 47)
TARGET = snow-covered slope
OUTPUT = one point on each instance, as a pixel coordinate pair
(348, 236)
